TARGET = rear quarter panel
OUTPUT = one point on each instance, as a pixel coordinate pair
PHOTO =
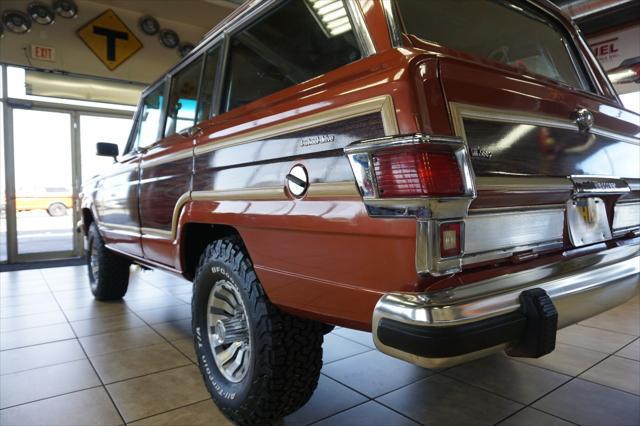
(321, 255)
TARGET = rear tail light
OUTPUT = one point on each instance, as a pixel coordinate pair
(415, 171)
(450, 240)
(428, 177)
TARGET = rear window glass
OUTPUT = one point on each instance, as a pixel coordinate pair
(499, 30)
(298, 41)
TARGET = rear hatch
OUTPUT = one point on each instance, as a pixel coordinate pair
(556, 163)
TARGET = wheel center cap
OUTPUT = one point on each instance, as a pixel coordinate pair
(221, 331)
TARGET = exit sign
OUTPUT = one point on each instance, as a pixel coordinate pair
(43, 53)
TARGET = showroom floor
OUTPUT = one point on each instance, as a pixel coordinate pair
(67, 359)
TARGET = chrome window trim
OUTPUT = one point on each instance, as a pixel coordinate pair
(393, 23)
(359, 27)
(460, 111)
(573, 51)
(221, 78)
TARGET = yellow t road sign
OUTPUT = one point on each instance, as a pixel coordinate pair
(110, 39)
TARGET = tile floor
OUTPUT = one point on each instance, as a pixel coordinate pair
(66, 359)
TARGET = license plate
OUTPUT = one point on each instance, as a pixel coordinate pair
(587, 221)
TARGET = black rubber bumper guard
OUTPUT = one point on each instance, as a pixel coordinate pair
(529, 331)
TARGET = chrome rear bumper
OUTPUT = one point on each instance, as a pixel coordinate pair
(453, 326)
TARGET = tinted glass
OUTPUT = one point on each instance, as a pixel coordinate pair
(500, 30)
(183, 98)
(208, 81)
(149, 120)
(298, 41)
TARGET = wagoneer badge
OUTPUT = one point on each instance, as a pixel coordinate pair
(316, 140)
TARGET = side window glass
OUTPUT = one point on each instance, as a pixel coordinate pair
(149, 119)
(208, 81)
(183, 98)
(298, 41)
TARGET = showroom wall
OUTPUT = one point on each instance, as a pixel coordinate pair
(73, 55)
(615, 46)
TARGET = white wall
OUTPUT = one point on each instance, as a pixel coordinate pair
(72, 55)
(614, 46)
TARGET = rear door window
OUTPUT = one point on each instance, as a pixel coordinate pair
(183, 98)
(299, 40)
(212, 58)
(510, 32)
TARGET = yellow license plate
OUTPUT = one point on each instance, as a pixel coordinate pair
(587, 221)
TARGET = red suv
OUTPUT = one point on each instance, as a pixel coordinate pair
(456, 176)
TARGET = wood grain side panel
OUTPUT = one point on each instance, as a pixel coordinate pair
(160, 187)
(524, 149)
(266, 162)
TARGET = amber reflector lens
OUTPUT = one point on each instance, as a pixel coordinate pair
(450, 239)
(417, 173)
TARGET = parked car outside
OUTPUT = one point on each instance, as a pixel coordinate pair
(457, 186)
(54, 200)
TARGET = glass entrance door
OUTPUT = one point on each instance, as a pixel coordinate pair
(43, 185)
(54, 154)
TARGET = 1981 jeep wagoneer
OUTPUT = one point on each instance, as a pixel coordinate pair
(456, 176)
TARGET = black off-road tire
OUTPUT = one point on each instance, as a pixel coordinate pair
(111, 279)
(286, 351)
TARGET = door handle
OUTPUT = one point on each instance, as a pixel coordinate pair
(190, 132)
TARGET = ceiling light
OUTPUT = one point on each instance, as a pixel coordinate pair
(332, 16)
(169, 38)
(41, 13)
(66, 8)
(149, 25)
(16, 21)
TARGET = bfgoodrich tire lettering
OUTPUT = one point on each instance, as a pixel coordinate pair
(108, 271)
(285, 355)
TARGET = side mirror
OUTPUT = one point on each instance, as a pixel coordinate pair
(106, 149)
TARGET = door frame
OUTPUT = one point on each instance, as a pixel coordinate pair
(75, 111)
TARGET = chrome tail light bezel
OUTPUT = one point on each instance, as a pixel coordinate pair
(429, 211)
(360, 155)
